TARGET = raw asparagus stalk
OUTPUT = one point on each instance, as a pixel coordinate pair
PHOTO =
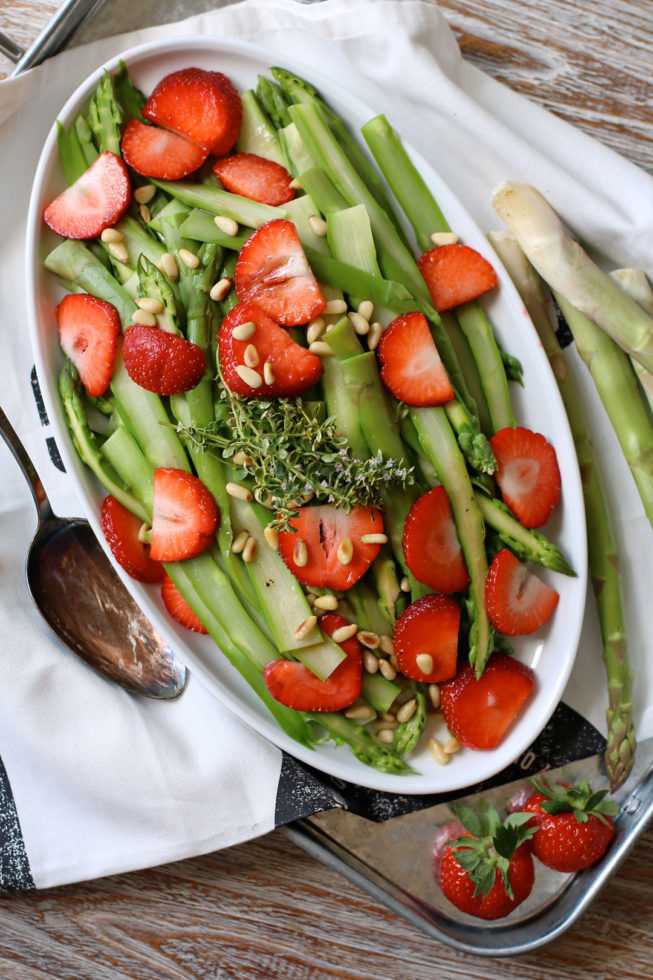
(526, 543)
(71, 154)
(636, 284)
(104, 117)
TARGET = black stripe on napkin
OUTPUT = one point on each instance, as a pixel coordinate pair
(15, 874)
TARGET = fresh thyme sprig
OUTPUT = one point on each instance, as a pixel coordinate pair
(286, 454)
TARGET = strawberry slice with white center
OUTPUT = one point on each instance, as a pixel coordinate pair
(455, 274)
(154, 152)
(185, 516)
(178, 608)
(431, 546)
(256, 178)
(121, 528)
(328, 549)
(411, 367)
(204, 106)
(268, 363)
(527, 473)
(426, 639)
(294, 685)
(516, 601)
(162, 362)
(94, 202)
(273, 272)
(89, 329)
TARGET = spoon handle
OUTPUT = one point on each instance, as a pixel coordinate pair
(26, 465)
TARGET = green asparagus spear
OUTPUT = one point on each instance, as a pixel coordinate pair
(104, 116)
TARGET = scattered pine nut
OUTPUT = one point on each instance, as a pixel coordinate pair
(404, 585)
(370, 662)
(318, 225)
(238, 491)
(344, 633)
(369, 639)
(119, 251)
(149, 304)
(337, 306)
(328, 602)
(374, 538)
(444, 238)
(359, 323)
(250, 356)
(345, 551)
(387, 670)
(438, 752)
(250, 549)
(241, 459)
(220, 289)
(295, 185)
(144, 319)
(315, 329)
(249, 376)
(168, 264)
(143, 533)
(424, 662)
(310, 598)
(451, 746)
(271, 535)
(360, 712)
(305, 627)
(243, 331)
(321, 348)
(375, 334)
(268, 373)
(239, 542)
(386, 644)
(388, 716)
(110, 235)
(407, 710)
(144, 212)
(144, 194)
(434, 695)
(190, 260)
(226, 225)
(366, 308)
(300, 553)
(386, 735)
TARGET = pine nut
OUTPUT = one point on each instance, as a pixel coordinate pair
(144, 212)
(250, 550)
(168, 264)
(451, 746)
(337, 306)
(344, 633)
(110, 235)
(315, 329)
(226, 225)
(387, 716)
(271, 535)
(438, 752)
(249, 376)
(268, 373)
(305, 627)
(394, 661)
(366, 308)
(375, 334)
(190, 260)
(149, 304)
(318, 225)
(369, 639)
(345, 551)
(374, 538)
(359, 323)
(387, 670)
(119, 251)
(250, 356)
(295, 185)
(424, 662)
(243, 331)
(310, 598)
(143, 533)
(239, 542)
(144, 319)
(404, 585)
(434, 695)
(407, 710)
(370, 662)
(144, 194)
(386, 644)
(444, 238)
(220, 289)
(238, 491)
(328, 602)
(300, 553)
(360, 712)
(241, 459)
(386, 735)
(321, 348)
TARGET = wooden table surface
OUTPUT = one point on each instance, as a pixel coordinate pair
(265, 909)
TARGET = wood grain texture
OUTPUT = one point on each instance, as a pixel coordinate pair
(266, 909)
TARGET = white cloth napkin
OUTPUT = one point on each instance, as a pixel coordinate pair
(103, 782)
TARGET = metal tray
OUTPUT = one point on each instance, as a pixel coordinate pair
(391, 860)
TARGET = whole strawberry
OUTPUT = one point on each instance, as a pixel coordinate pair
(488, 871)
(573, 825)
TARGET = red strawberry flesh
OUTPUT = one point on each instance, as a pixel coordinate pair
(162, 362)
(97, 200)
(121, 528)
(185, 516)
(455, 274)
(256, 178)
(411, 367)
(430, 542)
(527, 473)
(154, 152)
(517, 601)
(458, 887)
(89, 329)
(428, 628)
(178, 608)
(204, 106)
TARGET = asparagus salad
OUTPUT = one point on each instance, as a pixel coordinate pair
(297, 407)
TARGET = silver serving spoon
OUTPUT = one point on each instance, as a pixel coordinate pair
(85, 603)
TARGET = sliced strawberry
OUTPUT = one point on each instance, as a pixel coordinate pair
(410, 364)
(455, 274)
(154, 152)
(256, 178)
(516, 601)
(162, 362)
(479, 712)
(294, 368)
(323, 530)
(431, 546)
(121, 528)
(178, 608)
(297, 687)
(428, 628)
(94, 202)
(204, 106)
(527, 474)
(185, 516)
(273, 272)
(88, 332)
